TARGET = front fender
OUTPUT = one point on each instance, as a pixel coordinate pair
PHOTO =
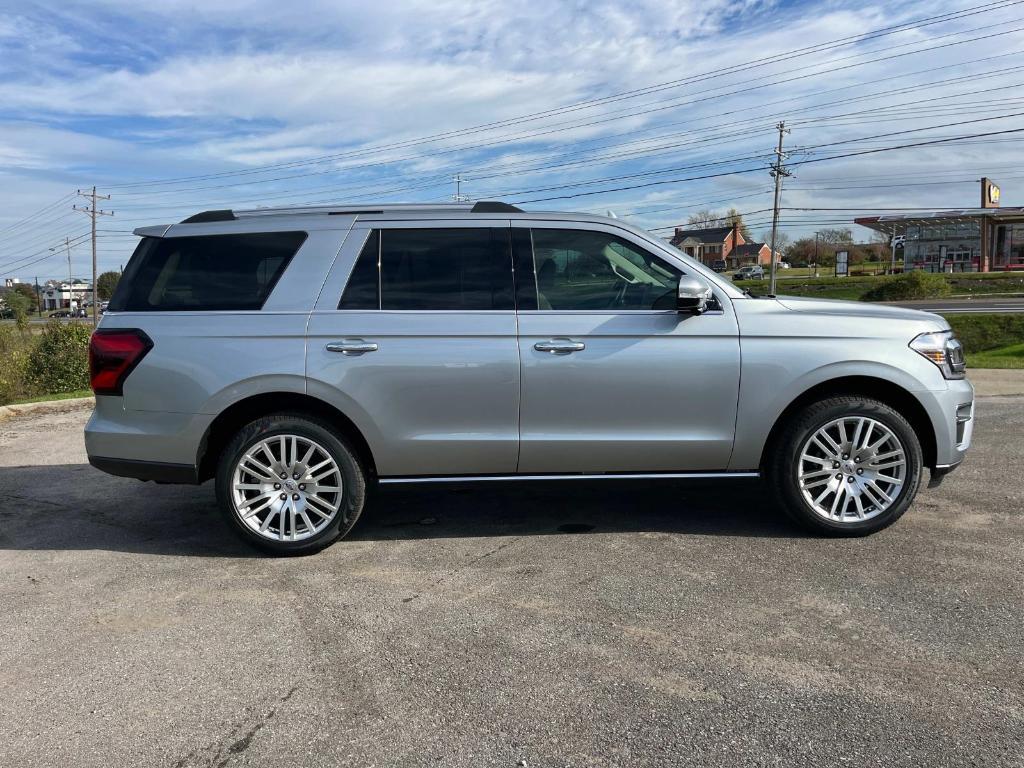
(771, 381)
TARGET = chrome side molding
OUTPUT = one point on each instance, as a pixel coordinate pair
(606, 476)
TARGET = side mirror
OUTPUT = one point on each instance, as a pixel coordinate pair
(693, 296)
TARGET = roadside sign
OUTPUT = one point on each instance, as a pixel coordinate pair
(842, 263)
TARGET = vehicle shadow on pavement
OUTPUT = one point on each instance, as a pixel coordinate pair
(74, 507)
(690, 507)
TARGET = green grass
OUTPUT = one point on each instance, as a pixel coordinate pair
(58, 396)
(856, 288)
(1010, 356)
(991, 341)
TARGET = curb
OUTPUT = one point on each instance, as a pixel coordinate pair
(48, 406)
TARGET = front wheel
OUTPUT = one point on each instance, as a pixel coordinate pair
(846, 466)
(289, 485)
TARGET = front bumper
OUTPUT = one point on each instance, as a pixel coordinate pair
(951, 412)
(939, 473)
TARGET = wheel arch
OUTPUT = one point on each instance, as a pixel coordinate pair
(901, 400)
(238, 414)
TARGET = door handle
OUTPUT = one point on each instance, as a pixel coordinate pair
(352, 347)
(559, 346)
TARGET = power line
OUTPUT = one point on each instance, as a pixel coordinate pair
(840, 42)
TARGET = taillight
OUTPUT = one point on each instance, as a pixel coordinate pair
(113, 354)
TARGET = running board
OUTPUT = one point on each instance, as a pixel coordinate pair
(606, 476)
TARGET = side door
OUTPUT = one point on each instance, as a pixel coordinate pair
(414, 338)
(613, 378)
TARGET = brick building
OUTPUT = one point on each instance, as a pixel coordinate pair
(707, 245)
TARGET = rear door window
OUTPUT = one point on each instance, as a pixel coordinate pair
(204, 273)
(468, 269)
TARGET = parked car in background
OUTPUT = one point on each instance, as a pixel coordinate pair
(719, 265)
(783, 265)
(749, 272)
(300, 357)
(60, 313)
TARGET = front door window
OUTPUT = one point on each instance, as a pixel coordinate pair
(585, 270)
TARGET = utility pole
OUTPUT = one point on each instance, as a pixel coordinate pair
(92, 212)
(778, 170)
(71, 281)
(39, 297)
(458, 197)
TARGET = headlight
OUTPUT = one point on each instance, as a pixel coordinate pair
(943, 349)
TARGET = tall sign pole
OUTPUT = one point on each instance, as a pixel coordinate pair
(778, 171)
(71, 293)
(92, 212)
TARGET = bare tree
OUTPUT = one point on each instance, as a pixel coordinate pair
(782, 240)
(843, 236)
(705, 219)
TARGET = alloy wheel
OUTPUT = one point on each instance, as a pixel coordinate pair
(851, 469)
(286, 488)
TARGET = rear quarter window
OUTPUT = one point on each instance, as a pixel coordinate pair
(205, 272)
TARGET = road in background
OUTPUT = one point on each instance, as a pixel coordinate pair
(981, 305)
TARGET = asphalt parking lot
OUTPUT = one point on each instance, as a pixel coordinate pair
(593, 624)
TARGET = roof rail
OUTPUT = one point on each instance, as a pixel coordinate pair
(199, 218)
(484, 206)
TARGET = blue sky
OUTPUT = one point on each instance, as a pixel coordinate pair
(327, 101)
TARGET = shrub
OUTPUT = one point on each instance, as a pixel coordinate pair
(59, 361)
(912, 285)
(981, 332)
(15, 346)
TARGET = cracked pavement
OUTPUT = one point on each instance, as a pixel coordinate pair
(585, 624)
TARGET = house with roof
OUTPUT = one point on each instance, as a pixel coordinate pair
(750, 253)
(707, 245)
(59, 294)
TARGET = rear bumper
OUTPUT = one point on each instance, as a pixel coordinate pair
(148, 445)
(157, 471)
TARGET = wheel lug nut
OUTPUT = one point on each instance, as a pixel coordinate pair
(284, 496)
(302, 487)
(295, 476)
(835, 465)
(839, 476)
(277, 486)
(846, 456)
(849, 479)
(295, 497)
(284, 475)
(860, 471)
(857, 459)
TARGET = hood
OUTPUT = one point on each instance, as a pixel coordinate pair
(859, 309)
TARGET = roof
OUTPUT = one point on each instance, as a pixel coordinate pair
(483, 206)
(887, 222)
(342, 216)
(748, 249)
(712, 235)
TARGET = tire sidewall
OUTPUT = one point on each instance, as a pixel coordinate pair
(810, 421)
(353, 477)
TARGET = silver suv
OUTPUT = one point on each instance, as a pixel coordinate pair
(300, 356)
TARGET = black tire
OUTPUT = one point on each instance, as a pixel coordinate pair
(782, 464)
(353, 494)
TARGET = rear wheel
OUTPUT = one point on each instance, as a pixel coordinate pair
(846, 466)
(289, 485)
